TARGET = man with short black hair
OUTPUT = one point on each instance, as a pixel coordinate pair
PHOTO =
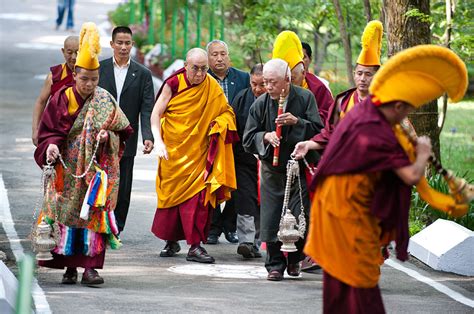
(131, 84)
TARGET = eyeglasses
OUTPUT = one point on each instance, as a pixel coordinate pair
(203, 69)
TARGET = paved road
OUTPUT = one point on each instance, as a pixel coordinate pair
(136, 278)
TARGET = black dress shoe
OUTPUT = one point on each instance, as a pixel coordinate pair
(231, 236)
(212, 239)
(293, 269)
(275, 275)
(199, 254)
(170, 249)
(70, 276)
(91, 277)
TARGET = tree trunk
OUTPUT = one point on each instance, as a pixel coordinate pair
(345, 41)
(368, 12)
(404, 32)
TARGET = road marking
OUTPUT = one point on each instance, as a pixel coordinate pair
(41, 303)
(224, 271)
(430, 282)
(24, 17)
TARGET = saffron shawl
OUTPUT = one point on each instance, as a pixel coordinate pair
(198, 129)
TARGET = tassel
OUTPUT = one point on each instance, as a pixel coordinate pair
(85, 206)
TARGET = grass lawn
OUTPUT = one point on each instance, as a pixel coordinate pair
(457, 139)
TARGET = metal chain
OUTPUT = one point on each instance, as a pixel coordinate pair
(292, 172)
(93, 159)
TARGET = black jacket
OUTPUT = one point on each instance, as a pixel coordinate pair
(137, 98)
(237, 81)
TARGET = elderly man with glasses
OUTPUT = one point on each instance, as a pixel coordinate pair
(194, 128)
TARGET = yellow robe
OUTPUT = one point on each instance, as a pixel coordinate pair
(186, 130)
(344, 237)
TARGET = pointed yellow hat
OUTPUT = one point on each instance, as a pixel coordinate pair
(287, 46)
(89, 47)
(418, 75)
(371, 44)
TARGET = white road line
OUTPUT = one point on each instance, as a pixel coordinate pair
(41, 303)
(430, 282)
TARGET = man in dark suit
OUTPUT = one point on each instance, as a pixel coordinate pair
(131, 85)
(232, 82)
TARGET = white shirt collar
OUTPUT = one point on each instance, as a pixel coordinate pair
(117, 65)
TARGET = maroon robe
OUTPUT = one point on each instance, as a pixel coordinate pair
(340, 104)
(364, 142)
(58, 83)
(322, 94)
(56, 122)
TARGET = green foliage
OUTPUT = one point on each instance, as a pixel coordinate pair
(121, 15)
(420, 16)
(422, 214)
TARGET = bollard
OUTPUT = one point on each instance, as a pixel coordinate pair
(23, 297)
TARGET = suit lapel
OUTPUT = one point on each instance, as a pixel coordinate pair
(131, 75)
(109, 80)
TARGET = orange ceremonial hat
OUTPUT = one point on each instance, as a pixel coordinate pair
(89, 47)
(287, 46)
(418, 75)
(371, 44)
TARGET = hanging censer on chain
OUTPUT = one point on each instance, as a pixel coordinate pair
(291, 230)
(44, 237)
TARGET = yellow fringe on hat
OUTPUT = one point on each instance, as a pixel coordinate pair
(287, 46)
(89, 47)
(371, 44)
(418, 75)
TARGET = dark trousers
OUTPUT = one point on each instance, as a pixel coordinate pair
(277, 261)
(224, 221)
(62, 6)
(125, 190)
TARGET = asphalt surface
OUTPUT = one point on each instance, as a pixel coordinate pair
(136, 278)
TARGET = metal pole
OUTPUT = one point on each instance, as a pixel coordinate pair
(211, 20)
(132, 12)
(151, 24)
(162, 26)
(185, 43)
(23, 298)
(222, 22)
(198, 21)
(173, 31)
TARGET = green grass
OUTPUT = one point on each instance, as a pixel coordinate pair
(457, 138)
(457, 155)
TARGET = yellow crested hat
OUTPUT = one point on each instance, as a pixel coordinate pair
(371, 44)
(89, 47)
(287, 46)
(418, 75)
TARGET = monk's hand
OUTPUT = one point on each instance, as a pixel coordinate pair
(423, 147)
(161, 150)
(286, 119)
(271, 138)
(102, 136)
(52, 153)
(148, 147)
(301, 149)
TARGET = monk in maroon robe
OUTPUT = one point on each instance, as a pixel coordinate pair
(60, 75)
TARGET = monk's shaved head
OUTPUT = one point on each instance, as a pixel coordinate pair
(71, 40)
(196, 65)
(71, 46)
(196, 53)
